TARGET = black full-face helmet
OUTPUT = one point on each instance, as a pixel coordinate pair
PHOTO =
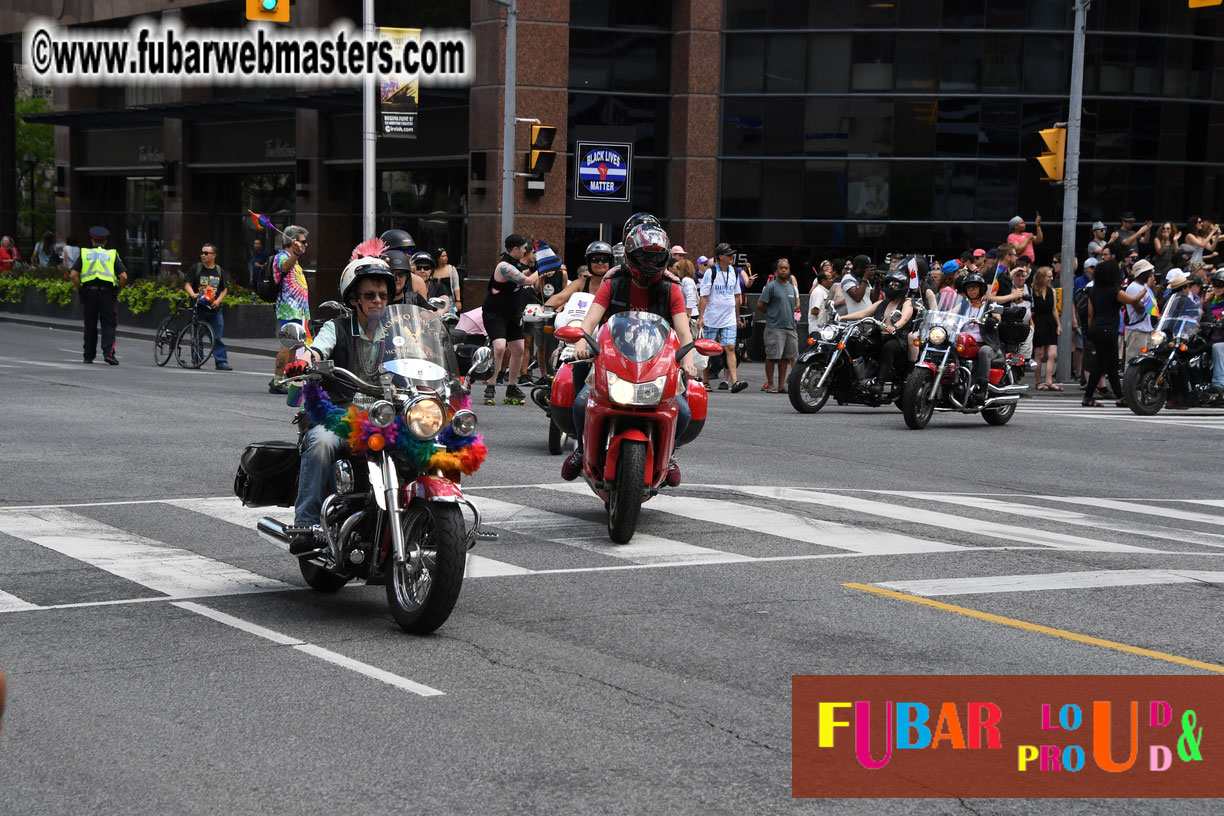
(647, 252)
(398, 239)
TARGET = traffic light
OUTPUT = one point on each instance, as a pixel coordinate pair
(1052, 162)
(540, 159)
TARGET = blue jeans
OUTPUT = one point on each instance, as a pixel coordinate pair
(580, 403)
(1217, 364)
(316, 476)
(214, 319)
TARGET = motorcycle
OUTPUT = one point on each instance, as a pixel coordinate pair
(571, 314)
(942, 379)
(842, 364)
(1175, 367)
(630, 432)
(395, 516)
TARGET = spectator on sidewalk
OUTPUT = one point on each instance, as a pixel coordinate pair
(44, 251)
(818, 298)
(259, 259)
(856, 285)
(72, 252)
(717, 313)
(1127, 235)
(8, 254)
(207, 286)
(779, 301)
(1022, 240)
(1046, 329)
(1138, 329)
(293, 298)
(1099, 240)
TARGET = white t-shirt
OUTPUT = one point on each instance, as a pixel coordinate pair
(849, 282)
(719, 287)
(689, 287)
(1137, 317)
(816, 302)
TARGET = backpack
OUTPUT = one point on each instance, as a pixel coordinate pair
(268, 288)
(1081, 307)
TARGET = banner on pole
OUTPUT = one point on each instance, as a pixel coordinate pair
(398, 93)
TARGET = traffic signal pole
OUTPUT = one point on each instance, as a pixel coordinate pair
(1075, 117)
(507, 202)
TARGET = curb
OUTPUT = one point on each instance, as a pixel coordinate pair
(237, 345)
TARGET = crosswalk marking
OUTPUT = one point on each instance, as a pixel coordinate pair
(229, 508)
(593, 536)
(1089, 579)
(917, 515)
(784, 525)
(480, 567)
(1007, 506)
(1127, 506)
(171, 571)
(11, 603)
(1179, 418)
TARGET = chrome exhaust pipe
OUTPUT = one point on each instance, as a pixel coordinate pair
(1007, 389)
(995, 402)
(274, 532)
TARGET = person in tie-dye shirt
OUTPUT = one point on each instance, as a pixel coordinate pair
(293, 301)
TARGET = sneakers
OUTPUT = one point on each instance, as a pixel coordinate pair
(525, 379)
(673, 475)
(515, 395)
(110, 360)
(723, 386)
(273, 388)
(490, 395)
(571, 468)
(224, 367)
(544, 380)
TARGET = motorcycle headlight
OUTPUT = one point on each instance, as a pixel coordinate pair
(624, 392)
(463, 423)
(828, 333)
(425, 417)
(938, 335)
(1158, 338)
(382, 414)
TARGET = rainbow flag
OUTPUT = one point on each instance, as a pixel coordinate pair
(261, 221)
(1149, 303)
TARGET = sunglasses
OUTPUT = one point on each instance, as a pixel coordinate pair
(208, 253)
(601, 260)
(370, 297)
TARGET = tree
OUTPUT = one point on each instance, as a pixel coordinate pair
(37, 142)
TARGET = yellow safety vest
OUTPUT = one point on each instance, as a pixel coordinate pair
(98, 263)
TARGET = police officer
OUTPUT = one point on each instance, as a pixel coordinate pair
(100, 275)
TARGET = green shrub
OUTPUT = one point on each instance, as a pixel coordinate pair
(139, 296)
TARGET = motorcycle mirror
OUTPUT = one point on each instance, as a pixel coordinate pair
(895, 316)
(482, 363)
(292, 336)
(438, 303)
(330, 308)
(450, 318)
(707, 347)
(569, 334)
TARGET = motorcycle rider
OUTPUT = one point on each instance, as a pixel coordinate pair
(642, 283)
(895, 288)
(976, 305)
(598, 257)
(366, 285)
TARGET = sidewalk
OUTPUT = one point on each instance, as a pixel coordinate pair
(242, 345)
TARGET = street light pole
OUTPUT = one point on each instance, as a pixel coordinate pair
(368, 137)
(507, 203)
(1066, 280)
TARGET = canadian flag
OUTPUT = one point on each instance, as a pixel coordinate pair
(912, 266)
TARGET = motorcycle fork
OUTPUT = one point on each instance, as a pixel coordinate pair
(828, 368)
(939, 367)
(391, 496)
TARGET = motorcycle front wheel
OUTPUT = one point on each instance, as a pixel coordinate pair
(556, 438)
(625, 500)
(915, 405)
(422, 599)
(1141, 389)
(805, 397)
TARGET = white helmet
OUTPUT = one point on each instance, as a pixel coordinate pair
(365, 267)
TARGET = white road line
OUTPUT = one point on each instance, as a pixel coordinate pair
(172, 571)
(784, 525)
(480, 567)
(11, 603)
(1125, 415)
(1006, 506)
(311, 649)
(1055, 580)
(947, 521)
(592, 536)
(1206, 502)
(1127, 506)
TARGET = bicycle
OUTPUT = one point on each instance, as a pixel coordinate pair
(185, 336)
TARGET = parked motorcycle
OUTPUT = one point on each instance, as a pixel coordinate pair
(395, 517)
(942, 379)
(844, 363)
(572, 314)
(1175, 367)
(630, 432)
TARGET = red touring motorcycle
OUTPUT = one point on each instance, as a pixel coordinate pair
(942, 379)
(630, 432)
(395, 518)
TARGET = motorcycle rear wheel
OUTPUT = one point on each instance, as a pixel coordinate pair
(915, 406)
(625, 500)
(1003, 414)
(163, 343)
(1140, 390)
(320, 579)
(420, 602)
(801, 388)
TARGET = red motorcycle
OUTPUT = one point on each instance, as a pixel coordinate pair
(630, 432)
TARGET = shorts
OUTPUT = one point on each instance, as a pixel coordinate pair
(724, 337)
(781, 344)
(501, 327)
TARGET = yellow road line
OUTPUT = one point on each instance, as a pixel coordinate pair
(1045, 630)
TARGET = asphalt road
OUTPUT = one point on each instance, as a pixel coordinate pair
(575, 676)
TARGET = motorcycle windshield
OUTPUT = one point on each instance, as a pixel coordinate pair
(1180, 316)
(638, 336)
(951, 321)
(415, 345)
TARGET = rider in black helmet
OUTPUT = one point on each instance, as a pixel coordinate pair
(895, 288)
(598, 257)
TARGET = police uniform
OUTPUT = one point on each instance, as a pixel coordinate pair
(100, 270)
